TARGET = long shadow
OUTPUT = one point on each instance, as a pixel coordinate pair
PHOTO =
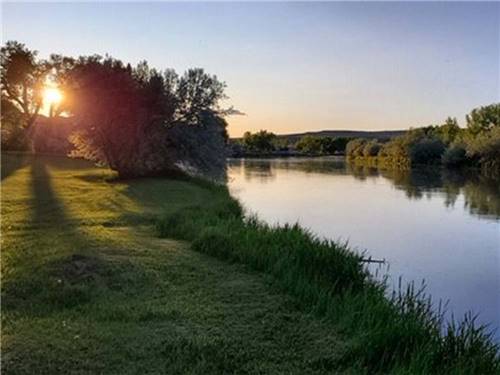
(48, 210)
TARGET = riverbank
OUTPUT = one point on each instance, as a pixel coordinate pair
(88, 287)
(398, 335)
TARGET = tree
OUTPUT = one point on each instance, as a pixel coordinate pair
(198, 92)
(13, 136)
(141, 122)
(486, 148)
(310, 144)
(261, 141)
(314, 145)
(483, 119)
(449, 131)
(22, 80)
(107, 110)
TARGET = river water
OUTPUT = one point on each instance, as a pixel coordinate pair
(432, 226)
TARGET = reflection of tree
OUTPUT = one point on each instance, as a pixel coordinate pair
(330, 165)
(481, 192)
(257, 169)
(361, 172)
(483, 197)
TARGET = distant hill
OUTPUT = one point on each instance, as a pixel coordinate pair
(382, 134)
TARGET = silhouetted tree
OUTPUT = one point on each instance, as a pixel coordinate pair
(13, 134)
(22, 79)
(198, 92)
(142, 122)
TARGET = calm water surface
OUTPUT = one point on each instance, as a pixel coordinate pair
(436, 226)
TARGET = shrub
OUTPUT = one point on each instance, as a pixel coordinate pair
(371, 148)
(355, 147)
(455, 155)
(426, 151)
(486, 148)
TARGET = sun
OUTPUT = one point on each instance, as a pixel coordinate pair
(51, 96)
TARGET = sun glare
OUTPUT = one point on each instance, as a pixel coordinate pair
(51, 95)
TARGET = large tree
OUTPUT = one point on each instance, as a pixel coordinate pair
(141, 121)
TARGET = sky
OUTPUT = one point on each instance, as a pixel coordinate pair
(291, 66)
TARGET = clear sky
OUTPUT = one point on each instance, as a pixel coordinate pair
(295, 66)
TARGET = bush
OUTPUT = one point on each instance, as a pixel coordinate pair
(486, 148)
(455, 155)
(426, 151)
(314, 145)
(371, 148)
(355, 147)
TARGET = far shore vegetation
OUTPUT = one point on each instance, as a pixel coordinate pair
(477, 145)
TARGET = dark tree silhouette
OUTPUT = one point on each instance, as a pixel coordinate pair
(22, 79)
(143, 122)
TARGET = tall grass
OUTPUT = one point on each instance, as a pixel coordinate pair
(400, 334)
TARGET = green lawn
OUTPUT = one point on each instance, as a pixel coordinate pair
(88, 288)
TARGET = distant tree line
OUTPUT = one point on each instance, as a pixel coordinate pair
(264, 142)
(137, 120)
(476, 145)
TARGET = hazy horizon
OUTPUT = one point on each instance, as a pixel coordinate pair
(295, 67)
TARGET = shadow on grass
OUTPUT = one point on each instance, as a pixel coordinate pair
(57, 270)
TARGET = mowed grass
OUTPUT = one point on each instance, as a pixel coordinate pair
(87, 288)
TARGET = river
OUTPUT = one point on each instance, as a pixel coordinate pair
(429, 225)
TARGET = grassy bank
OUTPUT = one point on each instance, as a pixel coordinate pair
(402, 334)
(88, 288)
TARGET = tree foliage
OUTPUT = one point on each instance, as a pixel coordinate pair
(22, 79)
(486, 148)
(314, 145)
(476, 145)
(261, 141)
(13, 134)
(483, 119)
(131, 118)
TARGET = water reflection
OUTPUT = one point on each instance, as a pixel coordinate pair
(481, 193)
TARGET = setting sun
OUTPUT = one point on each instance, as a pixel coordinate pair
(51, 95)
